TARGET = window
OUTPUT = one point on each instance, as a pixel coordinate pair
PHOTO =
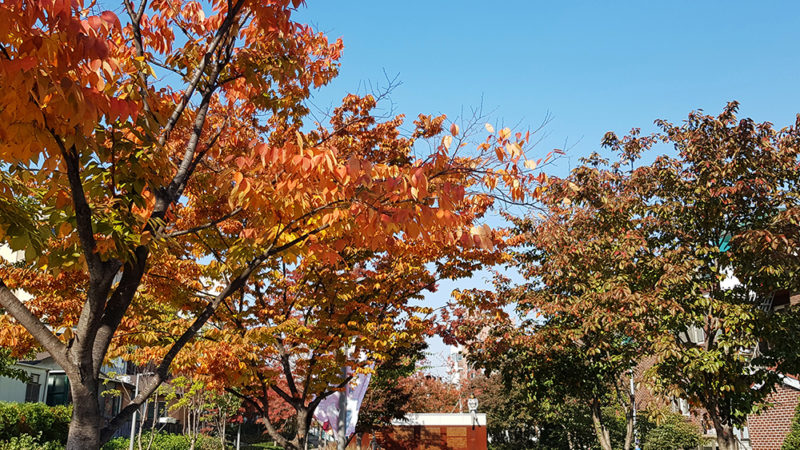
(161, 411)
(32, 389)
(58, 390)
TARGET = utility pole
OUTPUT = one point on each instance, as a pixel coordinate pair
(239, 436)
(133, 418)
(341, 422)
(633, 408)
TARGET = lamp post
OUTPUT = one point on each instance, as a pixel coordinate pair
(472, 405)
(633, 408)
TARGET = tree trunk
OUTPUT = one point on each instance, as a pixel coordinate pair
(84, 428)
(629, 419)
(222, 435)
(726, 440)
(302, 428)
(570, 445)
(600, 429)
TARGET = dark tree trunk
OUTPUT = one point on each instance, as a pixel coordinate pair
(600, 430)
(84, 429)
(726, 440)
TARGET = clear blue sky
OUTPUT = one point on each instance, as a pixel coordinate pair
(594, 66)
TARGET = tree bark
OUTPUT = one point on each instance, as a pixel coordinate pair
(302, 428)
(600, 429)
(84, 429)
(726, 440)
(222, 435)
(630, 410)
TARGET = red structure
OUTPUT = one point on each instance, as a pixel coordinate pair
(433, 432)
(769, 429)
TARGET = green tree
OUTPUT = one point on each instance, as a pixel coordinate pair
(7, 368)
(672, 433)
(726, 208)
(589, 307)
(386, 398)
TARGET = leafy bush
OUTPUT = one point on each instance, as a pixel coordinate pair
(164, 441)
(792, 441)
(674, 432)
(28, 442)
(50, 423)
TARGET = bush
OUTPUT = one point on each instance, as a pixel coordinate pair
(792, 441)
(28, 442)
(164, 441)
(674, 432)
(50, 423)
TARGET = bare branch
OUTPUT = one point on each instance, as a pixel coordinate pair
(205, 225)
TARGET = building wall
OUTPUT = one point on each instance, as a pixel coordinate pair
(12, 390)
(769, 429)
(424, 437)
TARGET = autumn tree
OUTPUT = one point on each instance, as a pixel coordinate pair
(304, 326)
(588, 308)
(727, 206)
(152, 166)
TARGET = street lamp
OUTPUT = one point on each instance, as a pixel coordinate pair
(472, 405)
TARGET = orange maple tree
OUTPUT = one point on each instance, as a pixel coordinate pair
(156, 167)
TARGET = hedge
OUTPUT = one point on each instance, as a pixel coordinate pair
(47, 423)
(164, 441)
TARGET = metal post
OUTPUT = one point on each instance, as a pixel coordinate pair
(133, 418)
(341, 422)
(633, 407)
(239, 436)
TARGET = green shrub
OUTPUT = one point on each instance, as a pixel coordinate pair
(792, 441)
(34, 419)
(28, 442)
(164, 441)
(673, 433)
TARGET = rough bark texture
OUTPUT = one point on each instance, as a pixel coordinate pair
(726, 440)
(84, 430)
(600, 429)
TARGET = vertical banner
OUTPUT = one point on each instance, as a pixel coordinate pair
(327, 411)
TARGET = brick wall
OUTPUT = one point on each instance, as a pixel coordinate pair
(428, 438)
(769, 429)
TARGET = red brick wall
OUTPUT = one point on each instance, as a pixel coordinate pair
(769, 429)
(429, 438)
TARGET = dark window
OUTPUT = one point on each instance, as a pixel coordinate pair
(161, 411)
(58, 390)
(32, 389)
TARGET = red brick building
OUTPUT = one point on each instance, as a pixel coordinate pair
(432, 431)
(769, 429)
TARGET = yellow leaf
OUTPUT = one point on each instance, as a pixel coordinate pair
(64, 229)
(530, 164)
(489, 128)
(447, 141)
(454, 129)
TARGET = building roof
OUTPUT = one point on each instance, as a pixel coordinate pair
(441, 419)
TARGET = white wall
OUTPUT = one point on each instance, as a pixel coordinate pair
(12, 390)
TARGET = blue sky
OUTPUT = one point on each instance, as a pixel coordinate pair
(593, 66)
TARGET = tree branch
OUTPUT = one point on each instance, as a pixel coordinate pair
(205, 225)
(35, 327)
